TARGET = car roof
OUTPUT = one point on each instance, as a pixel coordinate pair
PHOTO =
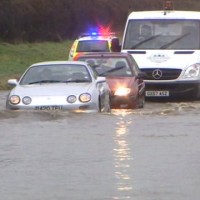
(59, 63)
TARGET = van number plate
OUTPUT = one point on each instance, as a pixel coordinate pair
(157, 93)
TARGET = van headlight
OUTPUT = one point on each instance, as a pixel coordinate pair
(192, 71)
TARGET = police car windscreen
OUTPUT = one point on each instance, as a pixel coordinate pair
(93, 46)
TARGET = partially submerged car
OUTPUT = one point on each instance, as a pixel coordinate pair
(59, 85)
(122, 75)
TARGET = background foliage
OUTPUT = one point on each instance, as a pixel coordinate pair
(57, 20)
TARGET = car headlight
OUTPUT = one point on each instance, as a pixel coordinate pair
(14, 99)
(26, 100)
(192, 71)
(122, 91)
(71, 99)
(85, 97)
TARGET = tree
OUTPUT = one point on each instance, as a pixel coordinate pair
(53, 20)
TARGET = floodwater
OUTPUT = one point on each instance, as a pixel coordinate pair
(145, 154)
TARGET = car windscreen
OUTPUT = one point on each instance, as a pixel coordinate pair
(109, 66)
(93, 46)
(56, 73)
(162, 34)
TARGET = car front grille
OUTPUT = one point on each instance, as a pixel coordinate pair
(161, 74)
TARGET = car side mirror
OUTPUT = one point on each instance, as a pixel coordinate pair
(12, 82)
(115, 46)
(101, 79)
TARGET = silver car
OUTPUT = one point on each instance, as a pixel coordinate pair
(59, 85)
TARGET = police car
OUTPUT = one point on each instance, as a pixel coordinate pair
(94, 42)
(166, 46)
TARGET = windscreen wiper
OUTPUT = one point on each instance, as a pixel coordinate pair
(144, 41)
(57, 81)
(44, 81)
(174, 41)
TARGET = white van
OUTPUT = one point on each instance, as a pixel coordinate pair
(166, 45)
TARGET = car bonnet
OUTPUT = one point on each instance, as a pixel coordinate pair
(52, 89)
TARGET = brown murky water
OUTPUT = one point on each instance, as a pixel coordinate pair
(147, 154)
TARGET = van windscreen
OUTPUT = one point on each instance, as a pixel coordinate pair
(162, 34)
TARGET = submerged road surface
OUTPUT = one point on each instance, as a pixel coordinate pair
(145, 154)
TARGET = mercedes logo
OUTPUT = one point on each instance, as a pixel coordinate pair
(157, 74)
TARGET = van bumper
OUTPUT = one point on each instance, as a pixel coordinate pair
(176, 90)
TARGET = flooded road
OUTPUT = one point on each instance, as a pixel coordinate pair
(145, 154)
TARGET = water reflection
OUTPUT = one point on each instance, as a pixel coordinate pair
(163, 109)
(122, 159)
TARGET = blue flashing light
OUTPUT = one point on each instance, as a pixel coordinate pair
(94, 33)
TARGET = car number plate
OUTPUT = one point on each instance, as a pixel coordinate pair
(157, 93)
(48, 108)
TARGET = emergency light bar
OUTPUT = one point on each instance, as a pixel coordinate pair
(95, 34)
(99, 31)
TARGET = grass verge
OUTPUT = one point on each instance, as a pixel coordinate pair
(15, 58)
